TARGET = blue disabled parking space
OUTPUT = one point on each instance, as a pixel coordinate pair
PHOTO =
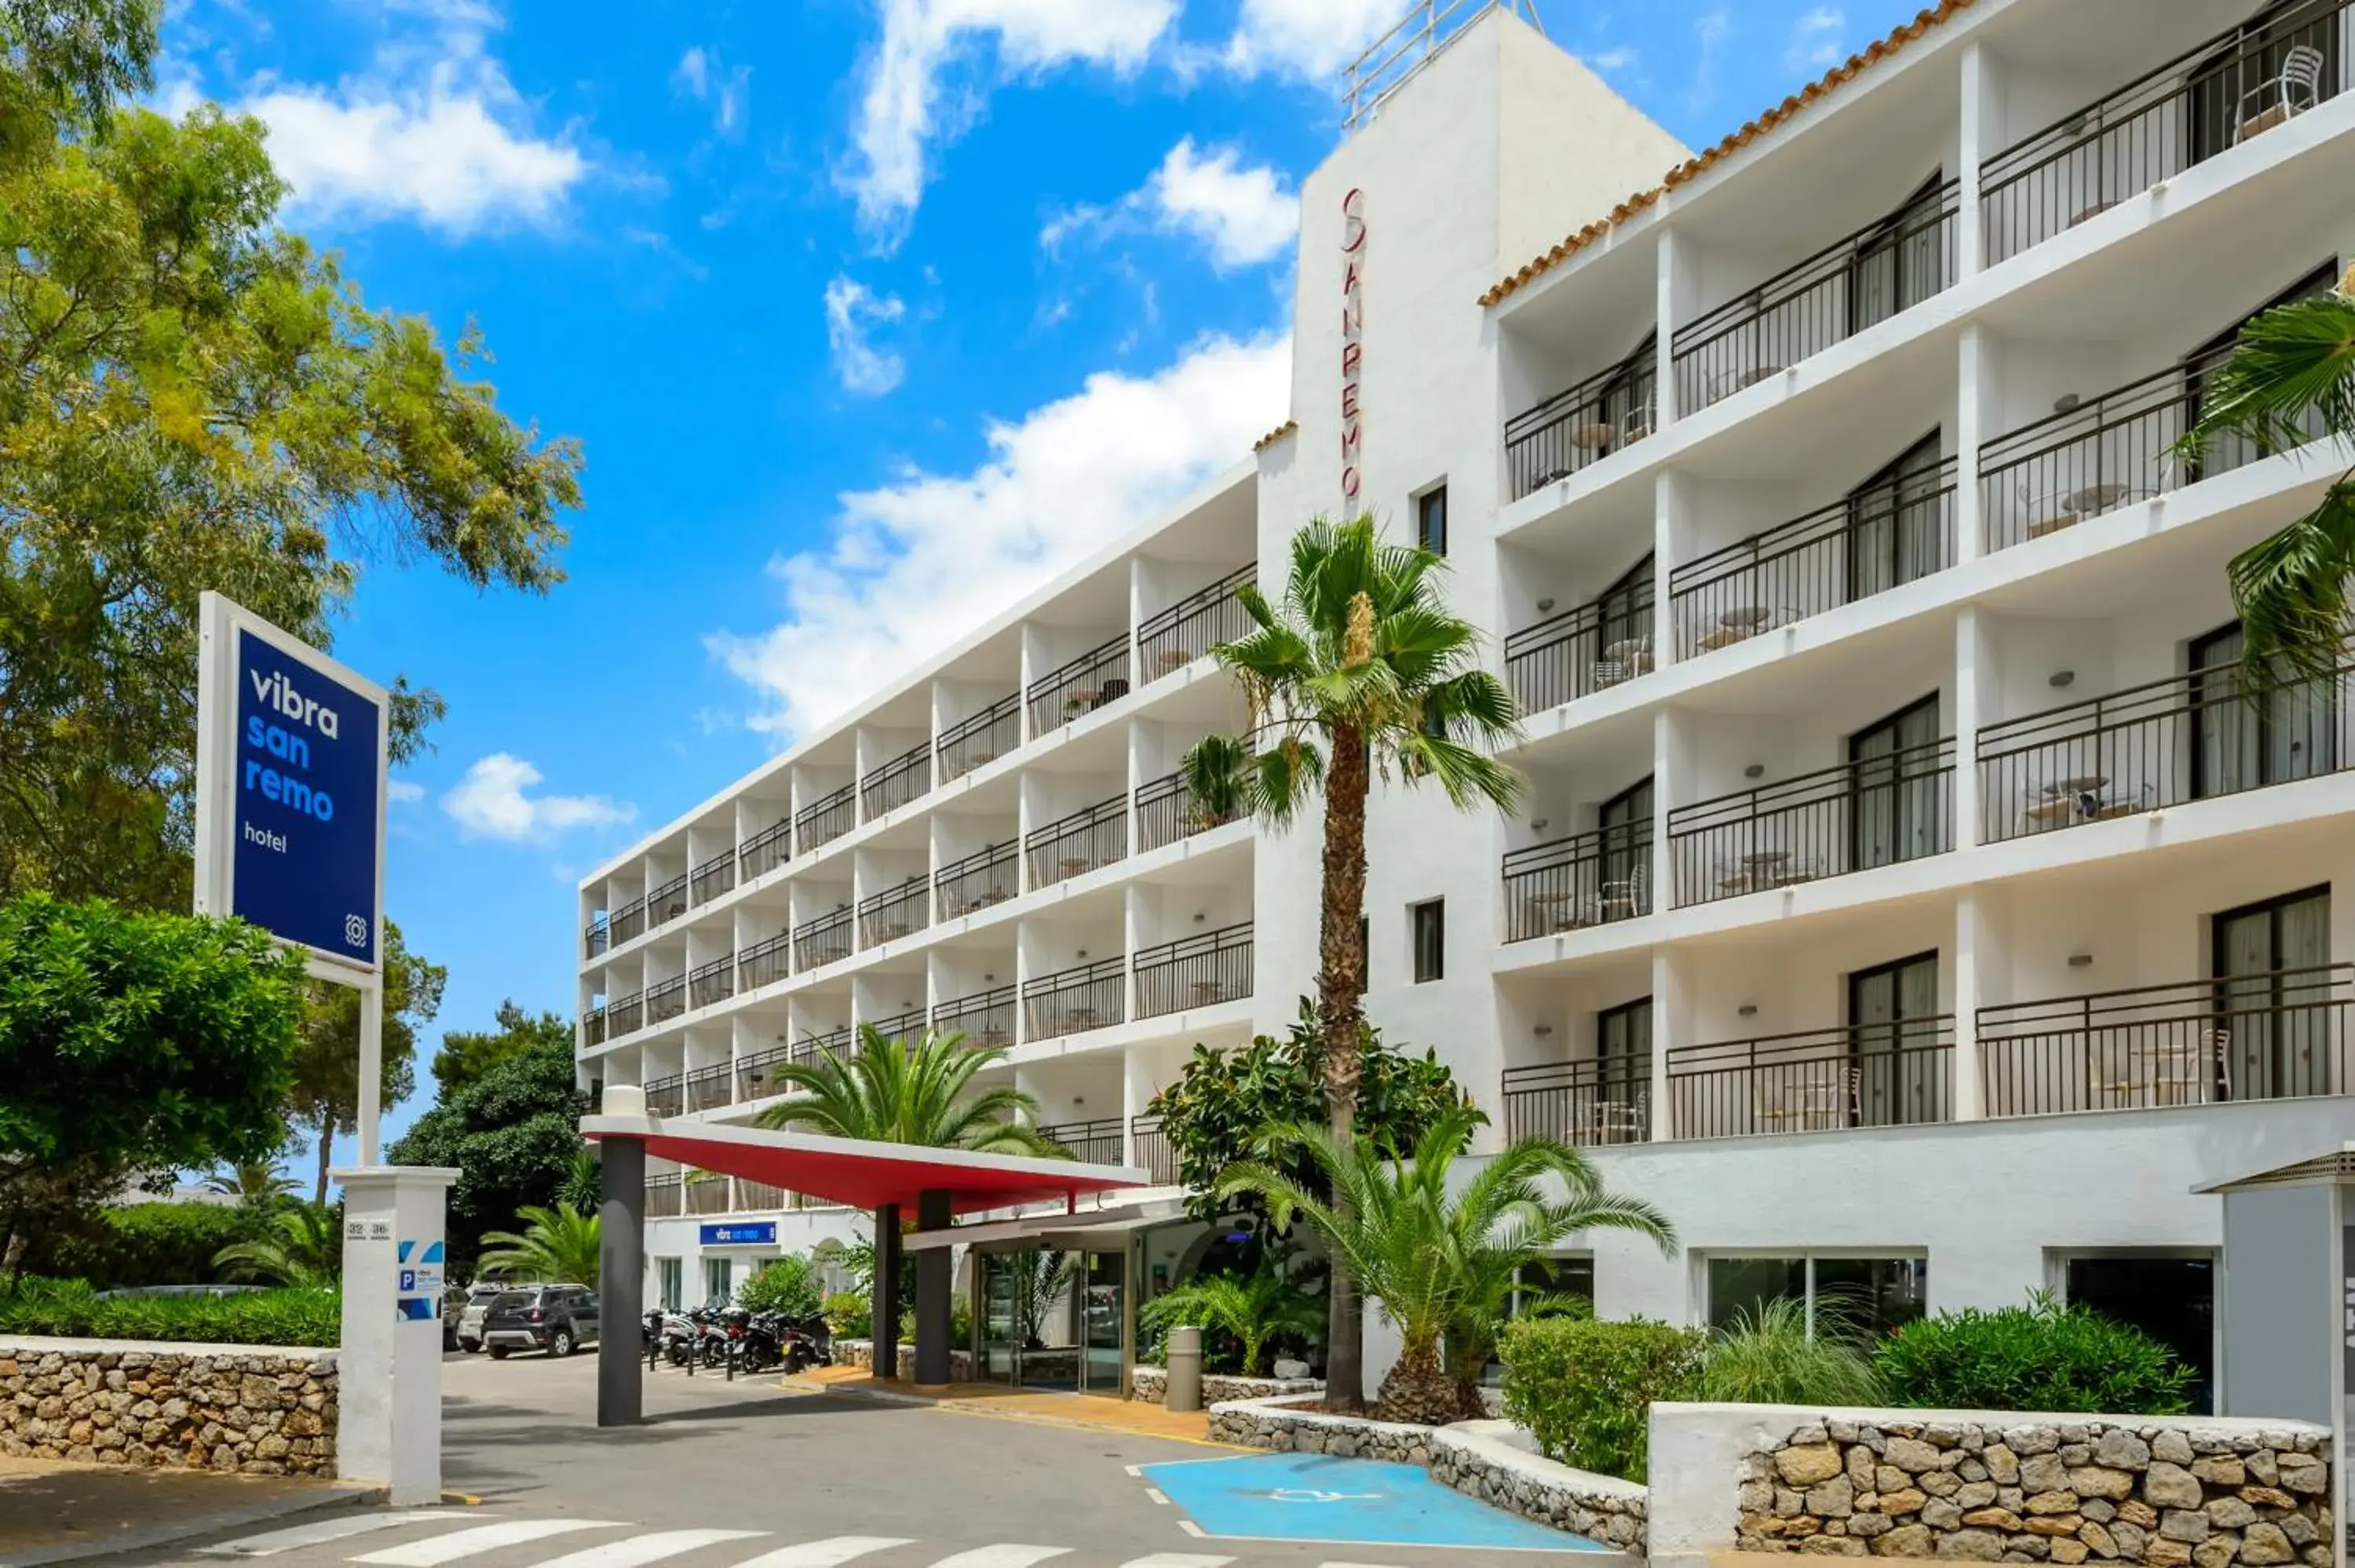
(1315, 1497)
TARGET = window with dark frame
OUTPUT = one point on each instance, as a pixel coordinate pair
(1430, 924)
(1430, 520)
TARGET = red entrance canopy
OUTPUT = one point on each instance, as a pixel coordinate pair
(862, 1174)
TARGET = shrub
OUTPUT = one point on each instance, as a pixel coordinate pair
(1585, 1389)
(1768, 1357)
(150, 1244)
(848, 1313)
(783, 1284)
(2043, 1356)
(70, 1308)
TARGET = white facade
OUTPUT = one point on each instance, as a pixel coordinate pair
(1923, 471)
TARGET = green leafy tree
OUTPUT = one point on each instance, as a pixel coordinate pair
(133, 1043)
(512, 1135)
(255, 1181)
(1431, 1258)
(558, 1246)
(892, 1091)
(197, 399)
(1359, 669)
(466, 1054)
(786, 1285)
(326, 1096)
(583, 1187)
(1251, 1309)
(305, 1245)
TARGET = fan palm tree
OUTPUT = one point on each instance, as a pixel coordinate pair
(893, 1091)
(255, 1181)
(558, 1246)
(303, 1247)
(1254, 1307)
(1439, 1263)
(1358, 670)
(2291, 371)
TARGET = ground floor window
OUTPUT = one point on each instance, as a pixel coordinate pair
(1553, 1279)
(1873, 1296)
(2170, 1296)
(715, 1280)
(670, 1283)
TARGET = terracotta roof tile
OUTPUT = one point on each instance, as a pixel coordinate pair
(1692, 168)
(1275, 435)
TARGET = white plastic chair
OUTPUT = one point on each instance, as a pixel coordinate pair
(2296, 90)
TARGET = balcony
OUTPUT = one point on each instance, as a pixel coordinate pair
(667, 902)
(2193, 736)
(1154, 1151)
(592, 1027)
(1089, 682)
(1880, 270)
(766, 850)
(1590, 1105)
(628, 922)
(713, 877)
(1858, 816)
(1165, 812)
(706, 1193)
(894, 913)
(1097, 1143)
(1200, 971)
(1582, 424)
(908, 1027)
(756, 1077)
(1582, 650)
(982, 738)
(1188, 630)
(2206, 100)
(1082, 842)
(666, 1197)
(1875, 1074)
(822, 941)
(984, 1018)
(625, 1015)
(821, 823)
(2281, 1035)
(905, 778)
(1075, 1001)
(985, 877)
(1586, 879)
(595, 937)
(765, 962)
(760, 1197)
(666, 1096)
(708, 984)
(838, 1040)
(666, 1001)
(1879, 538)
(709, 1088)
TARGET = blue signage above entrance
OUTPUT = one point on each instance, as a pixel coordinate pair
(763, 1234)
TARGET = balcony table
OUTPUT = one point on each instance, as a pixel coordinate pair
(1593, 437)
(1206, 992)
(1175, 657)
(1073, 864)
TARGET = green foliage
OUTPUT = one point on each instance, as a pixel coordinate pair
(147, 1244)
(583, 1187)
(1248, 1310)
(1040, 1280)
(785, 1285)
(257, 1182)
(133, 1042)
(849, 1313)
(327, 1100)
(2043, 1356)
(68, 1308)
(303, 1245)
(466, 1054)
(1768, 1357)
(512, 1134)
(1585, 1389)
(556, 1247)
(1219, 1110)
(890, 1091)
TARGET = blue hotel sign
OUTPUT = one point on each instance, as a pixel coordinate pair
(763, 1234)
(290, 759)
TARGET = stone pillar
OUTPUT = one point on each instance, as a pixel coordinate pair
(934, 1266)
(883, 1328)
(389, 1424)
(621, 1280)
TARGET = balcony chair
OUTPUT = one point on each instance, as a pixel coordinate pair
(1623, 660)
(1815, 1100)
(1619, 1121)
(1112, 691)
(2297, 88)
(1621, 897)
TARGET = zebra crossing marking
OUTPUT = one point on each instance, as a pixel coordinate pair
(317, 1533)
(636, 1550)
(1177, 1560)
(436, 1550)
(1004, 1555)
(829, 1553)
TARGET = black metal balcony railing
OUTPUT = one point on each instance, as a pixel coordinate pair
(825, 820)
(1200, 971)
(665, 1196)
(667, 902)
(1152, 1151)
(1096, 677)
(837, 1040)
(626, 1015)
(1586, 879)
(765, 962)
(907, 1026)
(1073, 1000)
(985, 1018)
(1165, 812)
(666, 1000)
(1580, 425)
(822, 941)
(891, 786)
(712, 982)
(2187, 737)
(2202, 102)
(1591, 1105)
(1875, 1074)
(988, 875)
(1188, 630)
(1097, 1143)
(1852, 549)
(713, 877)
(2274, 1036)
(1855, 282)
(894, 913)
(756, 1075)
(595, 937)
(1084, 841)
(666, 1096)
(592, 1027)
(982, 738)
(766, 850)
(709, 1088)
(1854, 816)
(1581, 651)
(628, 922)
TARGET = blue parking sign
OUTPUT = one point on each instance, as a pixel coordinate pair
(408, 1281)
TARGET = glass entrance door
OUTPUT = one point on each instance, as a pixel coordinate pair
(1103, 1301)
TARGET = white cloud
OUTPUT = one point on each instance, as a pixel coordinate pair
(918, 563)
(700, 76)
(1244, 214)
(1710, 32)
(1815, 45)
(491, 802)
(900, 111)
(400, 791)
(851, 311)
(1304, 37)
(1611, 59)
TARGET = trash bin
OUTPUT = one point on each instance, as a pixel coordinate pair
(1185, 1389)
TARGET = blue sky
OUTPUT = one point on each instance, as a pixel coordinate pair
(859, 308)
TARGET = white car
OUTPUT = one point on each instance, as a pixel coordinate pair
(470, 1317)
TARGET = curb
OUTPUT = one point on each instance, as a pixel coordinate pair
(200, 1524)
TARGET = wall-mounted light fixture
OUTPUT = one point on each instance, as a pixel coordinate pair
(1544, 605)
(2061, 678)
(2081, 960)
(989, 979)
(2066, 403)
(1543, 1030)
(1539, 825)
(1083, 953)
(1748, 1010)
(1755, 770)
(1201, 916)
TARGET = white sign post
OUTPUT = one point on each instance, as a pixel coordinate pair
(290, 755)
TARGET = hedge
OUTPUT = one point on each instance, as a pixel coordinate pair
(1585, 1389)
(2043, 1356)
(70, 1308)
(149, 1244)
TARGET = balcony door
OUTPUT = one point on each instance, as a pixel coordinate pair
(1623, 1052)
(2246, 741)
(2236, 92)
(1893, 1033)
(1625, 872)
(1894, 811)
(1624, 621)
(1896, 529)
(2273, 997)
(2224, 452)
(1900, 263)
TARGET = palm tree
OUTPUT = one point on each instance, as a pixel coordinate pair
(890, 1091)
(303, 1247)
(1359, 669)
(1252, 1307)
(558, 1245)
(255, 1181)
(583, 1186)
(1439, 1263)
(2293, 369)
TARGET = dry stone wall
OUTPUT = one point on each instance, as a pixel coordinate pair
(230, 1408)
(1151, 1385)
(2104, 1490)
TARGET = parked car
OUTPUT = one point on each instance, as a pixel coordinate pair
(470, 1315)
(553, 1318)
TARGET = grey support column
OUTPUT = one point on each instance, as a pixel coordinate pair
(932, 1277)
(621, 1281)
(885, 1327)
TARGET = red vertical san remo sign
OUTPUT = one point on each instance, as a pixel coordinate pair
(1353, 330)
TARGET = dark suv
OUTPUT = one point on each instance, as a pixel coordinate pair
(552, 1318)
